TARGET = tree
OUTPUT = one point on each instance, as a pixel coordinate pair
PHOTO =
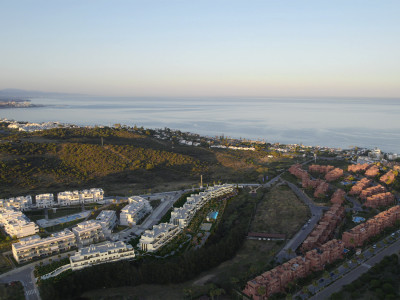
(261, 290)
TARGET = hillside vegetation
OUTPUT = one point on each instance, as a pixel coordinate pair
(119, 160)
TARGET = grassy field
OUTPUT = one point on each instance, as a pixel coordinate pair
(280, 211)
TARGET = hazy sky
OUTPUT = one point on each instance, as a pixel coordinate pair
(202, 48)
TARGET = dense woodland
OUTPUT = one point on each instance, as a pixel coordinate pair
(221, 246)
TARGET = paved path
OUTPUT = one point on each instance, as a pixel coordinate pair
(25, 275)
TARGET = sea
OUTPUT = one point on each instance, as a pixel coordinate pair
(341, 123)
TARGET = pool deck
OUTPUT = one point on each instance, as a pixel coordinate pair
(51, 222)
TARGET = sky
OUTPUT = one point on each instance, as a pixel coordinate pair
(229, 48)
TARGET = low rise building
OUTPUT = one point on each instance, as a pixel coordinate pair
(358, 168)
(101, 253)
(152, 240)
(44, 200)
(372, 171)
(77, 197)
(34, 247)
(16, 224)
(373, 190)
(277, 279)
(382, 199)
(360, 186)
(92, 195)
(137, 208)
(107, 219)
(19, 203)
(356, 236)
(389, 177)
(88, 232)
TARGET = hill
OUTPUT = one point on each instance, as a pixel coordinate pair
(121, 160)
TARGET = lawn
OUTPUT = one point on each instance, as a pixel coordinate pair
(277, 205)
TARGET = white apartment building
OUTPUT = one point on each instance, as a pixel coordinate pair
(44, 200)
(69, 198)
(183, 215)
(15, 223)
(34, 247)
(77, 197)
(101, 253)
(154, 239)
(134, 211)
(19, 203)
(92, 195)
(88, 232)
(107, 219)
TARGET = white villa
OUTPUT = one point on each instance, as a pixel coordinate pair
(134, 211)
(15, 223)
(107, 219)
(44, 200)
(35, 247)
(19, 203)
(77, 197)
(101, 253)
(88, 232)
(154, 239)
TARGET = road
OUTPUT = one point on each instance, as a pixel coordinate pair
(25, 275)
(168, 198)
(295, 242)
(357, 272)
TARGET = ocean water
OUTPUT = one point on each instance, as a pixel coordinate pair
(325, 122)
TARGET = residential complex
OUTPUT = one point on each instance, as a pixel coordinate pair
(360, 186)
(34, 247)
(107, 219)
(358, 168)
(88, 232)
(154, 239)
(372, 171)
(19, 203)
(16, 224)
(137, 208)
(276, 280)
(77, 197)
(101, 253)
(356, 236)
(325, 228)
(389, 177)
(44, 200)
(338, 197)
(382, 199)
(321, 187)
(331, 173)
(373, 190)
